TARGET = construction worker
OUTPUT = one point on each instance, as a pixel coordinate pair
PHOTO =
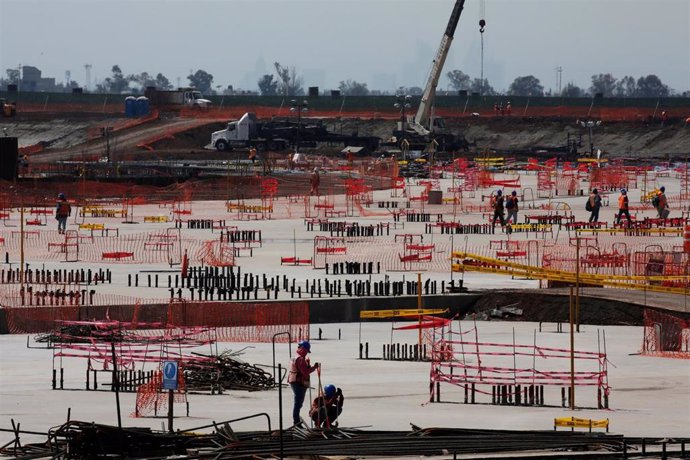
(315, 181)
(509, 109)
(326, 408)
(252, 154)
(662, 203)
(623, 207)
(512, 207)
(498, 205)
(62, 211)
(595, 205)
(298, 378)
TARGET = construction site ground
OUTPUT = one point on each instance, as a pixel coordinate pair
(72, 137)
(650, 395)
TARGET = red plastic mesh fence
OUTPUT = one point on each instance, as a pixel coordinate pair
(235, 322)
(463, 359)
(244, 322)
(151, 399)
(666, 334)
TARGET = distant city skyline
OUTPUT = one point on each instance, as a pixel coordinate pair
(383, 43)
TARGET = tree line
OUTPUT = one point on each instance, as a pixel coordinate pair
(286, 81)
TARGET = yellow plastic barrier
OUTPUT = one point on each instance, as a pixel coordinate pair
(99, 211)
(503, 267)
(156, 219)
(574, 422)
(91, 226)
(400, 313)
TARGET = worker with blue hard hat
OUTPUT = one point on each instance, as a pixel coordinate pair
(62, 211)
(326, 408)
(298, 377)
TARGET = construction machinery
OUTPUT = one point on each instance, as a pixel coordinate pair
(278, 134)
(421, 130)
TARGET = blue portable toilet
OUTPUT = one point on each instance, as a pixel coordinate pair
(130, 106)
(142, 106)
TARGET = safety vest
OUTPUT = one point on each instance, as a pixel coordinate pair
(63, 209)
(295, 376)
(623, 202)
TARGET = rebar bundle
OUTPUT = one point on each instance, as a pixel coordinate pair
(89, 440)
(226, 372)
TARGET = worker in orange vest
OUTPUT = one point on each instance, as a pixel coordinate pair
(623, 207)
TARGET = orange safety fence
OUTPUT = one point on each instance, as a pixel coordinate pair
(235, 321)
(666, 334)
(151, 399)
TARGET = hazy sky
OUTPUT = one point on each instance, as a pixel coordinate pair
(384, 43)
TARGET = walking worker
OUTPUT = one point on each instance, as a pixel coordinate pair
(623, 207)
(298, 378)
(512, 207)
(594, 205)
(62, 211)
(315, 181)
(498, 205)
(662, 203)
(326, 408)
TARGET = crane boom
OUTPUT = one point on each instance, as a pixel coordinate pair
(421, 119)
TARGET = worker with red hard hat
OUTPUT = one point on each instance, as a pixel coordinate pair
(298, 377)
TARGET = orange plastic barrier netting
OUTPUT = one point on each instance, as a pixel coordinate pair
(244, 322)
(665, 335)
(44, 193)
(248, 322)
(152, 400)
(32, 320)
(224, 113)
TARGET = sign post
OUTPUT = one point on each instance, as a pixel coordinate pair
(170, 369)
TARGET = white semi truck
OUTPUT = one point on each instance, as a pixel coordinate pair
(278, 134)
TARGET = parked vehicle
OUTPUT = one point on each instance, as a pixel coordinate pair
(181, 97)
(279, 134)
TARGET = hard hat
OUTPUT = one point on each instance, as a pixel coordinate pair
(61, 196)
(498, 192)
(595, 191)
(329, 390)
(306, 345)
(514, 193)
(662, 188)
(623, 191)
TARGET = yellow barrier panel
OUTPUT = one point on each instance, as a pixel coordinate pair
(632, 231)
(504, 267)
(574, 422)
(400, 313)
(531, 227)
(91, 226)
(248, 208)
(156, 219)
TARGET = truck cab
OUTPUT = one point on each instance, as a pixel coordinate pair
(237, 134)
(195, 99)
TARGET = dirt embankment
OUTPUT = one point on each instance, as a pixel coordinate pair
(505, 134)
(550, 308)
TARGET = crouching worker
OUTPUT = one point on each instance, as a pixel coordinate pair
(326, 408)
